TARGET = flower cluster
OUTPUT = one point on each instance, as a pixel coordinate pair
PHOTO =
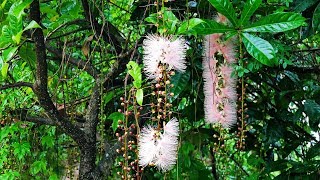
(219, 85)
(159, 149)
(163, 50)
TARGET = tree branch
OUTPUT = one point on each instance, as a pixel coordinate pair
(79, 63)
(40, 86)
(39, 120)
(16, 85)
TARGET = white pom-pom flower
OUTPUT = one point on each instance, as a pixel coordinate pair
(165, 50)
(159, 149)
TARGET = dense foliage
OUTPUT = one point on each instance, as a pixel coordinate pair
(72, 85)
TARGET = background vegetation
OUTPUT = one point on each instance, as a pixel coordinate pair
(63, 73)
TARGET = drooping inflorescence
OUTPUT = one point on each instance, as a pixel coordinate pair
(219, 85)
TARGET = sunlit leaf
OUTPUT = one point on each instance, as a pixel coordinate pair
(139, 96)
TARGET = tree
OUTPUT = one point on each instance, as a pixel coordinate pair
(67, 67)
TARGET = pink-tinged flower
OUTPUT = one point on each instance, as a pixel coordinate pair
(165, 50)
(159, 149)
(219, 85)
(221, 19)
(228, 51)
(230, 115)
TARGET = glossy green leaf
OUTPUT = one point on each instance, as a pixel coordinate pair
(4, 70)
(179, 81)
(278, 22)
(115, 117)
(17, 9)
(301, 5)
(259, 48)
(9, 53)
(139, 96)
(249, 8)
(187, 26)
(209, 27)
(316, 19)
(225, 7)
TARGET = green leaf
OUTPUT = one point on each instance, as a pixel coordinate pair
(17, 38)
(37, 166)
(135, 71)
(225, 7)
(301, 5)
(9, 53)
(259, 48)
(15, 24)
(179, 81)
(209, 27)
(316, 19)
(115, 117)
(47, 141)
(17, 9)
(188, 25)
(21, 149)
(4, 70)
(139, 96)
(32, 25)
(249, 8)
(278, 22)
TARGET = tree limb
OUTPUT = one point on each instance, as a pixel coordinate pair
(40, 86)
(16, 85)
(40, 120)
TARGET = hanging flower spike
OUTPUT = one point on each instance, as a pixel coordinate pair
(164, 50)
(159, 149)
(219, 86)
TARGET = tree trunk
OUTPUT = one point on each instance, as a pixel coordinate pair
(87, 161)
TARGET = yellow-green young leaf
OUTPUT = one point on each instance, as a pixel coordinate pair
(187, 26)
(139, 96)
(17, 38)
(278, 22)
(259, 48)
(4, 70)
(249, 8)
(135, 71)
(225, 7)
